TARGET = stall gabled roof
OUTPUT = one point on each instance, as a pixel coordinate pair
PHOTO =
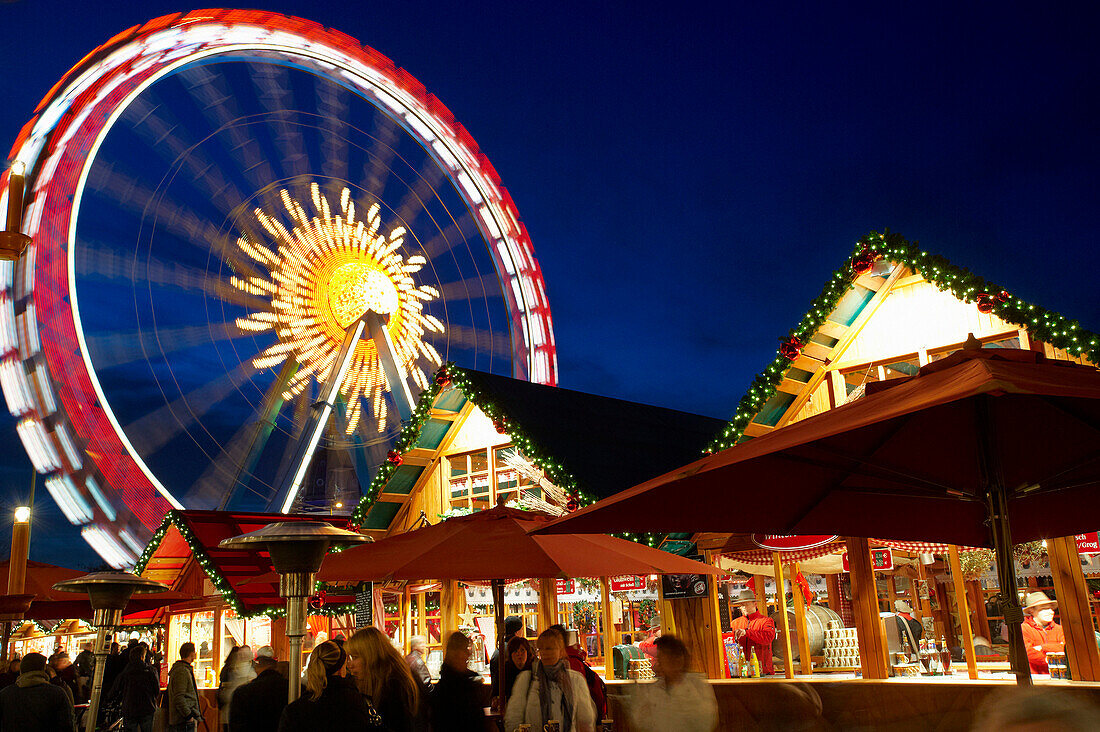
(590, 445)
(778, 393)
(187, 539)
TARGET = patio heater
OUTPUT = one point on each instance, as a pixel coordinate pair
(296, 549)
(108, 592)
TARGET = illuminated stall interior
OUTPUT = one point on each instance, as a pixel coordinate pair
(235, 609)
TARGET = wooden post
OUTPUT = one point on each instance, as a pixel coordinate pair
(715, 616)
(832, 583)
(608, 630)
(964, 612)
(407, 597)
(1073, 609)
(781, 608)
(976, 598)
(668, 621)
(805, 663)
(548, 603)
(872, 646)
(891, 593)
(759, 581)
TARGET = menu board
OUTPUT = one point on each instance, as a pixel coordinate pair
(724, 608)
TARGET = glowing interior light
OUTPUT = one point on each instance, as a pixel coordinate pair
(319, 273)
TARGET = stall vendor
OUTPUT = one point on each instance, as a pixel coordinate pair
(755, 632)
(1041, 634)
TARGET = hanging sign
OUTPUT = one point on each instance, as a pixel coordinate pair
(627, 582)
(565, 587)
(364, 605)
(881, 560)
(1088, 543)
(790, 542)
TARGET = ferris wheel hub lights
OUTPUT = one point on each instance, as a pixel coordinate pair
(22, 514)
(356, 287)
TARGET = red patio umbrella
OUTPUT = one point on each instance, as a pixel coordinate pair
(988, 447)
(495, 545)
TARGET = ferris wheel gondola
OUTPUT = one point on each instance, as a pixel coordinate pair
(212, 198)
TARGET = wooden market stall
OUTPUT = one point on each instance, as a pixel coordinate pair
(479, 439)
(239, 603)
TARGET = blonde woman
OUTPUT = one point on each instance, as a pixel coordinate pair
(384, 677)
(328, 701)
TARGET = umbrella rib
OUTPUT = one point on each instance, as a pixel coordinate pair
(878, 470)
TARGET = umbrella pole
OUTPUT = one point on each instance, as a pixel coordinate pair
(997, 508)
(497, 586)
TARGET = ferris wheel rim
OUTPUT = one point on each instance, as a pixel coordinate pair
(368, 57)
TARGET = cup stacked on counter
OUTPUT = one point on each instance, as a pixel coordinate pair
(841, 648)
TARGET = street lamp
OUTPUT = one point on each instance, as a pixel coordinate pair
(108, 592)
(296, 549)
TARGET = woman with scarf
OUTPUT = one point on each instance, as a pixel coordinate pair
(550, 691)
(330, 701)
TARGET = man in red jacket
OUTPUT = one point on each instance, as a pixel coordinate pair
(1041, 634)
(754, 631)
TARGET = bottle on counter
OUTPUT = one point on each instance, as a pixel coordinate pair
(742, 666)
(755, 665)
(945, 655)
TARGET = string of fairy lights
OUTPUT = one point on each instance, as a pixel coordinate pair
(1042, 324)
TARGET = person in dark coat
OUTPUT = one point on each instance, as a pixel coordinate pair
(11, 674)
(139, 689)
(113, 665)
(455, 700)
(519, 660)
(329, 701)
(33, 703)
(257, 705)
(513, 626)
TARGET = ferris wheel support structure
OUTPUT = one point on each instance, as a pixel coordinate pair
(321, 411)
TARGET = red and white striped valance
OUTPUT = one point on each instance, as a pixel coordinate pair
(763, 557)
(919, 547)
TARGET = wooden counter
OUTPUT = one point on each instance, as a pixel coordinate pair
(820, 703)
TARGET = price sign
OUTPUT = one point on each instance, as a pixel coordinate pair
(1088, 543)
(881, 560)
(565, 587)
(627, 582)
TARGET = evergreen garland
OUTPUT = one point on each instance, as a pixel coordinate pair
(1040, 323)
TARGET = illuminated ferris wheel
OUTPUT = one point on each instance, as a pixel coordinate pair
(253, 242)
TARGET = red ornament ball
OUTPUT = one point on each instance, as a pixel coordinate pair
(572, 504)
(443, 379)
(791, 348)
(395, 457)
(985, 303)
(501, 426)
(863, 262)
(1003, 296)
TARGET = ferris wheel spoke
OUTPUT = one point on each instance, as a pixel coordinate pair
(472, 288)
(216, 484)
(217, 104)
(422, 190)
(102, 261)
(169, 139)
(332, 104)
(272, 86)
(156, 429)
(119, 349)
(446, 239)
(376, 168)
(462, 336)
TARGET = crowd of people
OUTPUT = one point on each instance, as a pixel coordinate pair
(358, 683)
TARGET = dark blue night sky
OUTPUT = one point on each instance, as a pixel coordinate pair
(691, 175)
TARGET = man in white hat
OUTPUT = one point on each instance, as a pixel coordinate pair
(1041, 634)
(755, 632)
